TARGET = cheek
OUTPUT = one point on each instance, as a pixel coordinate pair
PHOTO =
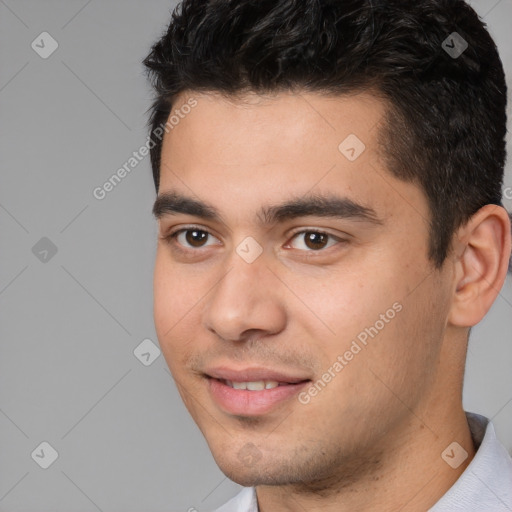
(175, 299)
(336, 307)
(373, 317)
(166, 290)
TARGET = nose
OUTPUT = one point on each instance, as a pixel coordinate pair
(245, 303)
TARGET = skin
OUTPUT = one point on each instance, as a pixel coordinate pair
(372, 438)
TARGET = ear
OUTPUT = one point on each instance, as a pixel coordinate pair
(482, 248)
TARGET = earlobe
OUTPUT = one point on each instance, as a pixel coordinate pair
(483, 254)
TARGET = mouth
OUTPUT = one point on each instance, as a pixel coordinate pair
(257, 385)
(252, 392)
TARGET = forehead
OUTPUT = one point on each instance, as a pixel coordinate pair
(287, 125)
(242, 152)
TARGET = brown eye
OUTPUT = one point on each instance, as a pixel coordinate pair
(192, 238)
(315, 240)
(196, 237)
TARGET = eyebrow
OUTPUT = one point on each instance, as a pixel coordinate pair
(172, 203)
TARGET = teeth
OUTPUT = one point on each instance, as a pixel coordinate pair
(253, 386)
(256, 386)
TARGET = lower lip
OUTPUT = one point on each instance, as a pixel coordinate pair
(242, 402)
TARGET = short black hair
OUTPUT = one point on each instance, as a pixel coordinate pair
(445, 125)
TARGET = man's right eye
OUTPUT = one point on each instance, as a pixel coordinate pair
(191, 238)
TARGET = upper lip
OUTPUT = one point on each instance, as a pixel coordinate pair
(253, 374)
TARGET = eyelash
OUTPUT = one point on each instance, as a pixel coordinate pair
(171, 238)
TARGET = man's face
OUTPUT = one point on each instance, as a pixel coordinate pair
(332, 296)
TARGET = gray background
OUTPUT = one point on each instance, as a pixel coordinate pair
(69, 325)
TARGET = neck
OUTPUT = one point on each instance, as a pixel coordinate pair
(406, 473)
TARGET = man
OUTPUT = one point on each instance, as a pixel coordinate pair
(329, 179)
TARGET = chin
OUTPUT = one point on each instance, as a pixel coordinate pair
(251, 477)
(259, 472)
(247, 473)
(243, 478)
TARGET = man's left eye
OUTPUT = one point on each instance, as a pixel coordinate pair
(313, 241)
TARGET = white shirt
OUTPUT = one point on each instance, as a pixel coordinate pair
(485, 485)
